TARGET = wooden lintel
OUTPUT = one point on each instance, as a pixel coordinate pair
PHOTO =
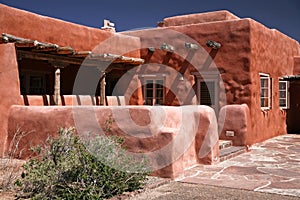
(27, 44)
(56, 58)
(48, 57)
(44, 49)
(81, 54)
(65, 51)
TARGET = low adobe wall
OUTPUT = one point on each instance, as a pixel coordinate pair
(172, 138)
(234, 124)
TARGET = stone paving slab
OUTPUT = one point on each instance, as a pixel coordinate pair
(272, 166)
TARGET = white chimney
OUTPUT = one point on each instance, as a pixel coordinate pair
(109, 26)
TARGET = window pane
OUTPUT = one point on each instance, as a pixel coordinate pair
(159, 84)
(154, 92)
(282, 85)
(264, 82)
(149, 101)
(207, 93)
(282, 94)
(149, 93)
(282, 102)
(264, 102)
(159, 93)
(149, 84)
(264, 93)
(36, 84)
(265, 90)
(159, 101)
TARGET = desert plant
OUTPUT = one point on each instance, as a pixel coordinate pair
(10, 167)
(70, 167)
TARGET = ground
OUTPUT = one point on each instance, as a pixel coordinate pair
(269, 171)
(186, 191)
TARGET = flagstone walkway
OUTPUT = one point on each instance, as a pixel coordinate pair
(272, 166)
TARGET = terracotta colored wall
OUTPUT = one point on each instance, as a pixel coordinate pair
(198, 18)
(272, 53)
(235, 119)
(162, 132)
(247, 48)
(232, 59)
(296, 64)
(45, 29)
(9, 90)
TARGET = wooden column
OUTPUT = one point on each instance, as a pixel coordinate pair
(57, 86)
(102, 88)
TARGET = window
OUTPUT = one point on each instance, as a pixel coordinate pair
(283, 94)
(208, 90)
(154, 91)
(32, 83)
(265, 91)
(207, 98)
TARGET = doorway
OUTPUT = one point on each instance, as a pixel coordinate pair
(293, 113)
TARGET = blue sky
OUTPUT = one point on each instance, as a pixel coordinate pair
(283, 15)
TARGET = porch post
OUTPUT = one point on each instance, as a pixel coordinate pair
(57, 86)
(102, 88)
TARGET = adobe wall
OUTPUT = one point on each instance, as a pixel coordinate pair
(231, 61)
(182, 20)
(235, 124)
(10, 88)
(272, 53)
(173, 138)
(45, 29)
(296, 64)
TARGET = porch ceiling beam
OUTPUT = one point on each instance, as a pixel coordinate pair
(90, 62)
(47, 57)
(59, 58)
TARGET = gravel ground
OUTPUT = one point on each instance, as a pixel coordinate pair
(184, 191)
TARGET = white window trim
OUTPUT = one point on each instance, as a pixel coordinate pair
(209, 76)
(287, 95)
(269, 97)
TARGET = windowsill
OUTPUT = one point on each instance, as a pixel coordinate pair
(265, 109)
(283, 108)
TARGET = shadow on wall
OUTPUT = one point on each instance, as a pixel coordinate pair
(172, 138)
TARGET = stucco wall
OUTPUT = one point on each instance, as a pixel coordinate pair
(173, 138)
(234, 124)
(45, 29)
(272, 53)
(221, 15)
(297, 64)
(231, 61)
(247, 48)
(10, 88)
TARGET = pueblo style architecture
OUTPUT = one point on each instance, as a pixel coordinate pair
(174, 93)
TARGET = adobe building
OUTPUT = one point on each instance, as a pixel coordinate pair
(215, 76)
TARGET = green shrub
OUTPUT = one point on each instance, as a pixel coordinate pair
(95, 167)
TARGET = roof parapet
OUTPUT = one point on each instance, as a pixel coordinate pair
(199, 18)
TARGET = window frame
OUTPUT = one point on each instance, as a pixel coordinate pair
(25, 82)
(209, 77)
(287, 95)
(264, 76)
(153, 78)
